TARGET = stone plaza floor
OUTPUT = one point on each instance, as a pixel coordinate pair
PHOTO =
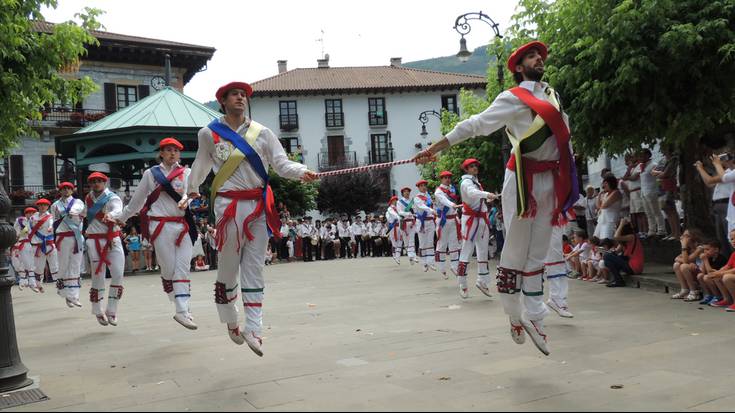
(366, 334)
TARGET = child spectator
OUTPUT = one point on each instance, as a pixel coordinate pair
(606, 246)
(268, 255)
(200, 264)
(686, 268)
(631, 260)
(714, 280)
(579, 255)
(712, 260)
(593, 264)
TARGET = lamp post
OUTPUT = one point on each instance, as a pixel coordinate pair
(424, 119)
(463, 27)
(13, 374)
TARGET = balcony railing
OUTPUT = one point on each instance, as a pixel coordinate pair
(289, 122)
(337, 160)
(28, 194)
(378, 118)
(380, 156)
(335, 120)
(71, 118)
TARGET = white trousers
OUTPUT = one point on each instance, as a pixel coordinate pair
(175, 263)
(116, 258)
(526, 244)
(556, 269)
(51, 257)
(27, 275)
(448, 240)
(241, 271)
(409, 241)
(426, 241)
(652, 208)
(477, 241)
(396, 240)
(68, 282)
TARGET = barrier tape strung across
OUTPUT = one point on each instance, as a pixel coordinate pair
(365, 168)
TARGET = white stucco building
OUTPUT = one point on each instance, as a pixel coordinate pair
(348, 116)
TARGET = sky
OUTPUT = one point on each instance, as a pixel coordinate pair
(250, 36)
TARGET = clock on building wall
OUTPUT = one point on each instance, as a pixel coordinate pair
(158, 82)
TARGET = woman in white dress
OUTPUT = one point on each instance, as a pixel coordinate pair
(609, 204)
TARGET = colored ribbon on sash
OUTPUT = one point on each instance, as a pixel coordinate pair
(472, 214)
(75, 228)
(44, 238)
(93, 210)
(164, 183)
(424, 215)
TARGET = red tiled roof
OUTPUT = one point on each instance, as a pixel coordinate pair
(368, 79)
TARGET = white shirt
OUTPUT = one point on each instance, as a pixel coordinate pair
(358, 229)
(266, 145)
(507, 110)
(589, 205)
(307, 230)
(442, 200)
(114, 207)
(392, 215)
(729, 178)
(402, 210)
(472, 195)
(343, 229)
(77, 210)
(284, 230)
(421, 206)
(46, 229)
(649, 185)
(723, 190)
(164, 205)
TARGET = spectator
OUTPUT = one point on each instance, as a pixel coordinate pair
(606, 245)
(649, 195)
(593, 263)
(283, 247)
(589, 203)
(126, 197)
(686, 268)
(210, 235)
(497, 225)
(200, 264)
(633, 184)
(712, 260)
(132, 240)
(631, 261)
(714, 280)
(720, 198)
(147, 248)
(609, 204)
(268, 254)
(580, 254)
(200, 207)
(667, 178)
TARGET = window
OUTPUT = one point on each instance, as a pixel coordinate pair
(16, 171)
(290, 144)
(334, 115)
(449, 102)
(380, 148)
(289, 118)
(377, 115)
(48, 171)
(126, 96)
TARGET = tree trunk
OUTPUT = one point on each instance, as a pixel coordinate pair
(695, 196)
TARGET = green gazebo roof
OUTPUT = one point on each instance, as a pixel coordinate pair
(167, 108)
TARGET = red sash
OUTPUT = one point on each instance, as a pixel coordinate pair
(453, 196)
(555, 121)
(256, 194)
(467, 210)
(153, 197)
(109, 235)
(38, 225)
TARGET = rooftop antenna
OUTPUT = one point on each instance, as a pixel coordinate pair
(321, 40)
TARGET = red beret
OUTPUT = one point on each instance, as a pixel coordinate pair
(97, 175)
(422, 182)
(29, 210)
(392, 199)
(66, 185)
(43, 201)
(469, 162)
(518, 54)
(405, 188)
(445, 173)
(170, 141)
(222, 91)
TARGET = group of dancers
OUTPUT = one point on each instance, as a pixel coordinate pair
(538, 192)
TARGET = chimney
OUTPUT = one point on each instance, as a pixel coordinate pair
(396, 61)
(323, 63)
(282, 66)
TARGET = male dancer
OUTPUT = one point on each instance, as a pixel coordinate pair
(393, 231)
(68, 212)
(172, 231)
(104, 247)
(426, 227)
(540, 184)
(25, 252)
(475, 228)
(240, 151)
(448, 226)
(42, 241)
(408, 224)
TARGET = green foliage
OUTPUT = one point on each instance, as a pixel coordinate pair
(31, 72)
(298, 197)
(349, 194)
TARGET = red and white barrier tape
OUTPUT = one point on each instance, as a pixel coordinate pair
(365, 168)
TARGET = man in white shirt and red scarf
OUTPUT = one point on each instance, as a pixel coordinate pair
(424, 207)
(68, 215)
(448, 232)
(24, 250)
(104, 248)
(42, 242)
(240, 151)
(171, 230)
(539, 189)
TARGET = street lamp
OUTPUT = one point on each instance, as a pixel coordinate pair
(462, 26)
(424, 119)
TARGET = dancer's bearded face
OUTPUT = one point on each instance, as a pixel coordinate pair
(532, 66)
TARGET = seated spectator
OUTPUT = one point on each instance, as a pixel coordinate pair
(268, 254)
(579, 255)
(686, 267)
(607, 245)
(714, 280)
(593, 263)
(712, 260)
(631, 260)
(567, 249)
(199, 264)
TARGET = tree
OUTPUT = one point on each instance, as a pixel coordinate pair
(297, 196)
(636, 72)
(33, 65)
(349, 194)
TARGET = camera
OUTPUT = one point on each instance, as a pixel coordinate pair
(725, 157)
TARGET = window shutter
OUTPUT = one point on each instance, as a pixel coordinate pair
(48, 171)
(143, 91)
(110, 97)
(16, 171)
